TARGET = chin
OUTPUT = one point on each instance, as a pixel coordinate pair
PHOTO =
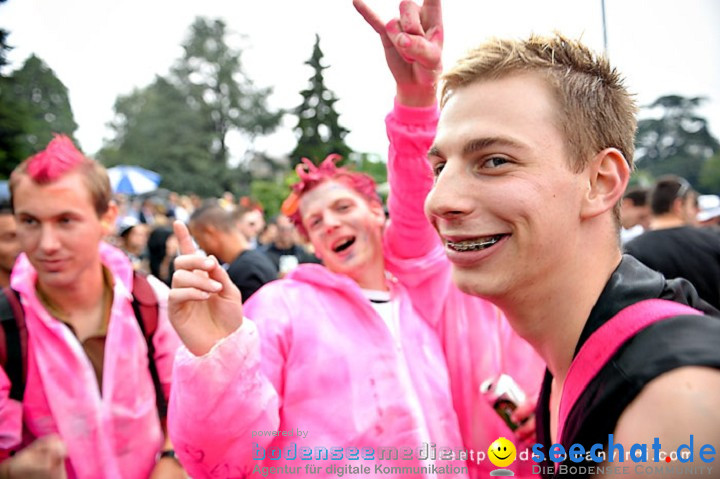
(473, 283)
(56, 280)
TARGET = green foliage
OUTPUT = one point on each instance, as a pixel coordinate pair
(271, 194)
(677, 142)
(710, 175)
(210, 72)
(178, 125)
(159, 129)
(34, 105)
(318, 130)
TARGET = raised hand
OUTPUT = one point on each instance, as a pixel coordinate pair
(204, 305)
(413, 48)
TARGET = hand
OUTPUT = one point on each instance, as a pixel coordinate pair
(524, 415)
(43, 459)
(204, 305)
(413, 48)
(168, 468)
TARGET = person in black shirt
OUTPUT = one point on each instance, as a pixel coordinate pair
(284, 251)
(674, 246)
(215, 231)
(531, 157)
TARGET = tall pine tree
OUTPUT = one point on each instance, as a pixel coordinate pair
(318, 130)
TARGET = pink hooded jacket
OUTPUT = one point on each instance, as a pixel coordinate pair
(110, 432)
(477, 340)
(322, 367)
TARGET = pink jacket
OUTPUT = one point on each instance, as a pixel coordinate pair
(116, 434)
(477, 340)
(320, 361)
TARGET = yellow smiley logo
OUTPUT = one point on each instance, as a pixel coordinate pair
(502, 452)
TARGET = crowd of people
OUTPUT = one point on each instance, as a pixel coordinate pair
(149, 338)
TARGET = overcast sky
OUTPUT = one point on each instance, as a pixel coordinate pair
(101, 48)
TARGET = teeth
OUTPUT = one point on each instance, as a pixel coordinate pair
(474, 245)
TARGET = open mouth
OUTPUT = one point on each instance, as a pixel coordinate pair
(344, 244)
(475, 244)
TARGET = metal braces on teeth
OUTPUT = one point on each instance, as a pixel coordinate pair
(469, 246)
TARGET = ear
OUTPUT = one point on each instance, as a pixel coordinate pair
(609, 174)
(677, 206)
(107, 219)
(378, 213)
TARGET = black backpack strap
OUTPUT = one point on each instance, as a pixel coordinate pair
(13, 343)
(146, 308)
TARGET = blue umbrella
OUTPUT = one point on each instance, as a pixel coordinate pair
(133, 180)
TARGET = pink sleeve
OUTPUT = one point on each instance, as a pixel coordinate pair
(411, 132)
(217, 401)
(413, 252)
(10, 418)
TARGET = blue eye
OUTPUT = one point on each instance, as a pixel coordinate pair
(495, 162)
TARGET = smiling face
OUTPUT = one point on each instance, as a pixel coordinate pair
(502, 452)
(505, 202)
(344, 228)
(59, 228)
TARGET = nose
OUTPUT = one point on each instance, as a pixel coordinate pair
(49, 241)
(451, 197)
(330, 221)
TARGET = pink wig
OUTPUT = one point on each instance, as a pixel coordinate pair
(311, 176)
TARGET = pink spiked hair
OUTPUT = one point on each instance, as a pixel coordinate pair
(312, 176)
(59, 158)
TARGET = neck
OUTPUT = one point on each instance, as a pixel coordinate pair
(666, 221)
(551, 312)
(232, 245)
(84, 294)
(4, 278)
(372, 277)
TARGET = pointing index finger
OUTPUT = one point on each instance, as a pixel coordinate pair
(183, 236)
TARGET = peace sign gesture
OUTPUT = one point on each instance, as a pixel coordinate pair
(204, 305)
(413, 48)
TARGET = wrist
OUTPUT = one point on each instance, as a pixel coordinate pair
(417, 96)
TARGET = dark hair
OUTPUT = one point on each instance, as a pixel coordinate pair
(637, 195)
(666, 190)
(157, 249)
(211, 213)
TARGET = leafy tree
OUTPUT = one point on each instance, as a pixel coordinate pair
(318, 130)
(710, 175)
(271, 194)
(158, 128)
(677, 142)
(34, 104)
(210, 72)
(178, 125)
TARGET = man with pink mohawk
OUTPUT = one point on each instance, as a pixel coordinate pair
(88, 408)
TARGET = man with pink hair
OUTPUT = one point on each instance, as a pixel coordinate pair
(90, 403)
(334, 357)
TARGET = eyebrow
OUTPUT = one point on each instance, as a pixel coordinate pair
(478, 144)
(56, 215)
